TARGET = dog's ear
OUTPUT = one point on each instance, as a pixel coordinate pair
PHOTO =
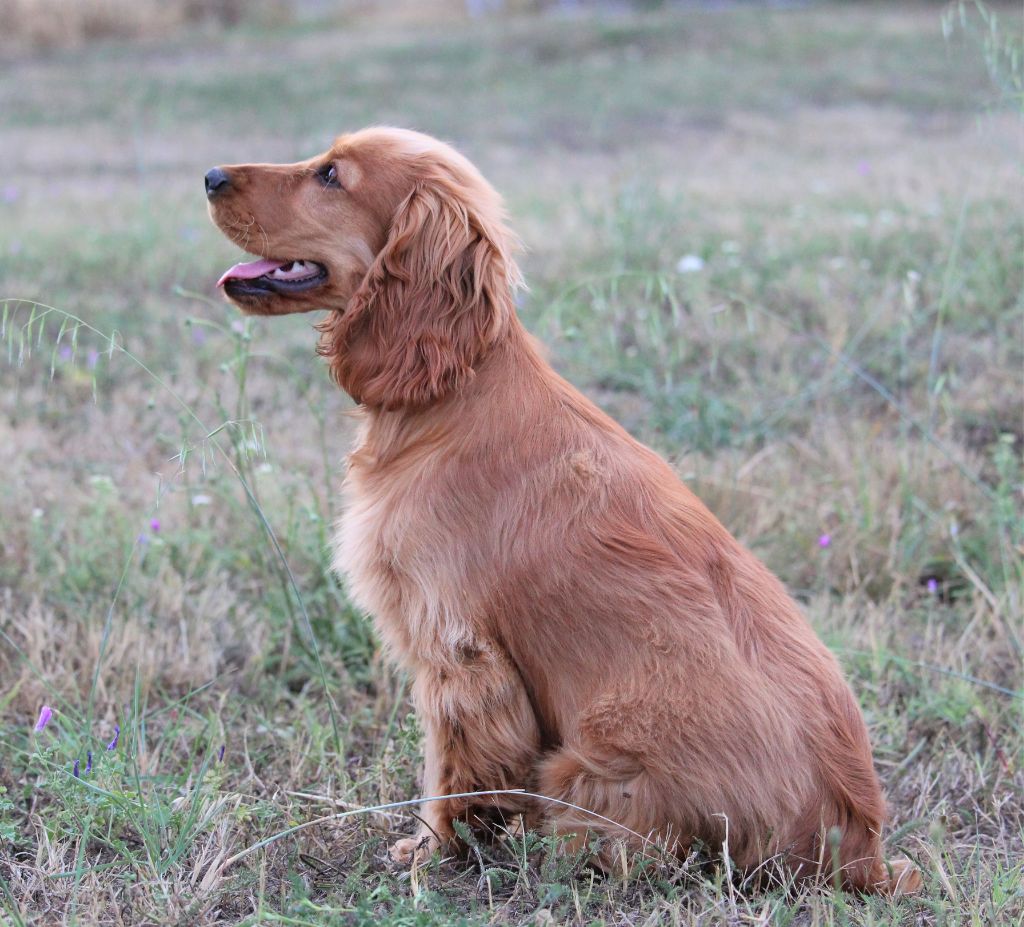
(437, 295)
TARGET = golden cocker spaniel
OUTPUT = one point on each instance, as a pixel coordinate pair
(575, 621)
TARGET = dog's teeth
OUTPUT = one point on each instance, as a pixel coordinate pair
(296, 270)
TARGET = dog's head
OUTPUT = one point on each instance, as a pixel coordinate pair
(394, 233)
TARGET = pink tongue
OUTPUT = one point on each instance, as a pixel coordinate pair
(251, 270)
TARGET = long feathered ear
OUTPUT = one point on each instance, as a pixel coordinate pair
(437, 295)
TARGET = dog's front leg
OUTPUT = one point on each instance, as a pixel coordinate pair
(480, 733)
(435, 831)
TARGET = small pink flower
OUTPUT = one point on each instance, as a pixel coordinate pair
(154, 525)
(45, 713)
(825, 541)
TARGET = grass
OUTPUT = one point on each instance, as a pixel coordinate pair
(846, 361)
(44, 24)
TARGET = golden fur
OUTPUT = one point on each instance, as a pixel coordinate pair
(574, 620)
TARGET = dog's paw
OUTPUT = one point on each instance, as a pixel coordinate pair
(904, 878)
(414, 850)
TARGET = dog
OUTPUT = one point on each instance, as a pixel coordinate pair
(575, 622)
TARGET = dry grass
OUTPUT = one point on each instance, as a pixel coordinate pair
(846, 362)
(48, 24)
(62, 23)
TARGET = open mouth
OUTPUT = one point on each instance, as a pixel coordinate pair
(264, 277)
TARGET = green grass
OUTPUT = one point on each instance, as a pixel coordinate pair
(847, 361)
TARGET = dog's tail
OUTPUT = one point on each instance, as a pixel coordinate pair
(858, 806)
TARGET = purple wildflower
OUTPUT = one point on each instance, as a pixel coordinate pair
(117, 733)
(825, 541)
(220, 754)
(92, 358)
(75, 770)
(65, 352)
(88, 761)
(154, 525)
(45, 713)
(933, 585)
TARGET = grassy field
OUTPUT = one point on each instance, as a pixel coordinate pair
(783, 248)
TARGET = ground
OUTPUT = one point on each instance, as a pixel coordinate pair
(784, 248)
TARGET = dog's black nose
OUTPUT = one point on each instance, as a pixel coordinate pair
(216, 182)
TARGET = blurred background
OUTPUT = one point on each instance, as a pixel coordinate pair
(781, 242)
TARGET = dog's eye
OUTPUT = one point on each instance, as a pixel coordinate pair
(328, 175)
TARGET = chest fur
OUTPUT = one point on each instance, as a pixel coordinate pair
(398, 550)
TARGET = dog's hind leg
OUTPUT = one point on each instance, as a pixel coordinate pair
(612, 798)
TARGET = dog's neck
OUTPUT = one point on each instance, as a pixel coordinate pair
(512, 366)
